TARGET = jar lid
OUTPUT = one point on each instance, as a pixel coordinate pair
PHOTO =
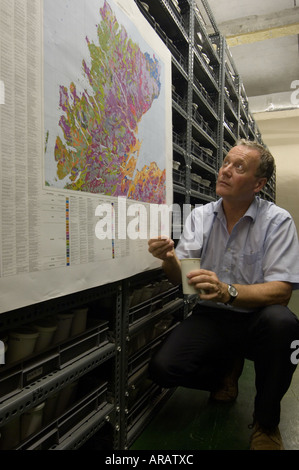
(65, 315)
(25, 332)
(36, 408)
(46, 324)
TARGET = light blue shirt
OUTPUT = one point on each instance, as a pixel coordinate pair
(262, 247)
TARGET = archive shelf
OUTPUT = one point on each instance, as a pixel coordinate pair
(49, 386)
(154, 307)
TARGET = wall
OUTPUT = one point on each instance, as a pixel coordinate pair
(280, 132)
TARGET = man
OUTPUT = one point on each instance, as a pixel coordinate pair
(249, 266)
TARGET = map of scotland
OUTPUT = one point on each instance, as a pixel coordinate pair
(99, 139)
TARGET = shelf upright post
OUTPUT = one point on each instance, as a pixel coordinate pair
(189, 102)
(122, 362)
(210, 15)
(221, 101)
(118, 431)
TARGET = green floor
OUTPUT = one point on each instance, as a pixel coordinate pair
(189, 421)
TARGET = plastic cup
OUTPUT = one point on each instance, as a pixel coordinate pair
(50, 408)
(46, 329)
(31, 421)
(64, 324)
(10, 434)
(66, 397)
(3, 349)
(79, 321)
(187, 265)
(21, 343)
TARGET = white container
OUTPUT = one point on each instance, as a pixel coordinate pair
(64, 325)
(50, 408)
(136, 297)
(176, 165)
(188, 265)
(206, 182)
(66, 397)
(196, 178)
(31, 421)
(3, 349)
(21, 343)
(79, 321)
(46, 329)
(145, 5)
(10, 434)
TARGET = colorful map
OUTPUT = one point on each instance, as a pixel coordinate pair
(98, 147)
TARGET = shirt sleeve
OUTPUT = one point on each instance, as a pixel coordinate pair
(281, 255)
(191, 240)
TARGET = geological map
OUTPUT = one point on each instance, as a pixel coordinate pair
(97, 143)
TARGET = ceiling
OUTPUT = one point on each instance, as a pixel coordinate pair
(263, 38)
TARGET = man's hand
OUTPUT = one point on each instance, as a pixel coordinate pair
(250, 296)
(162, 248)
(208, 285)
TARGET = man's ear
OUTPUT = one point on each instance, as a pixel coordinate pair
(261, 182)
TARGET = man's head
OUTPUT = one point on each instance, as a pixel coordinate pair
(267, 163)
(245, 171)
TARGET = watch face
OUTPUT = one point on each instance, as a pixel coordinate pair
(232, 291)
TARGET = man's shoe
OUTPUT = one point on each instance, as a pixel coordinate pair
(264, 439)
(227, 393)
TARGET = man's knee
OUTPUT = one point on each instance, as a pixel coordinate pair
(280, 322)
(159, 372)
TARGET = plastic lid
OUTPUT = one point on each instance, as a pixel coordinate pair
(36, 408)
(46, 324)
(65, 315)
(25, 332)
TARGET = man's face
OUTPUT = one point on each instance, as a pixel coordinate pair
(236, 178)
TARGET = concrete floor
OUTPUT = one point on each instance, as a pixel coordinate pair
(189, 421)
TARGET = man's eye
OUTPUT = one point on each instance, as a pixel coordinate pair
(240, 167)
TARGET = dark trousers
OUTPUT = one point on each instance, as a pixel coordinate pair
(199, 352)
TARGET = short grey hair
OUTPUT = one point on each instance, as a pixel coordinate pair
(267, 162)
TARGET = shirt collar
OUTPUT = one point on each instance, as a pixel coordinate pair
(251, 211)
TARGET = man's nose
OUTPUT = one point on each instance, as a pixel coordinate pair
(227, 169)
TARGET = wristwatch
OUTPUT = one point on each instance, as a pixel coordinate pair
(232, 292)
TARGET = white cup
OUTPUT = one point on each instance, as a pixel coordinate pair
(21, 343)
(10, 434)
(188, 265)
(31, 421)
(79, 321)
(46, 329)
(64, 325)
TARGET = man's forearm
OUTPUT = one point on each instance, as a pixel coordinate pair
(249, 296)
(257, 295)
(172, 269)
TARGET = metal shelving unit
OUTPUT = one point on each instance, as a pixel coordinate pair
(56, 378)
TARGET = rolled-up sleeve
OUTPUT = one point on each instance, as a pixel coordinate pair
(281, 252)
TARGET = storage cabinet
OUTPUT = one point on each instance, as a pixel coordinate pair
(58, 397)
(155, 307)
(91, 389)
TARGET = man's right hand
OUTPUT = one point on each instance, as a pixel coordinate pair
(162, 248)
